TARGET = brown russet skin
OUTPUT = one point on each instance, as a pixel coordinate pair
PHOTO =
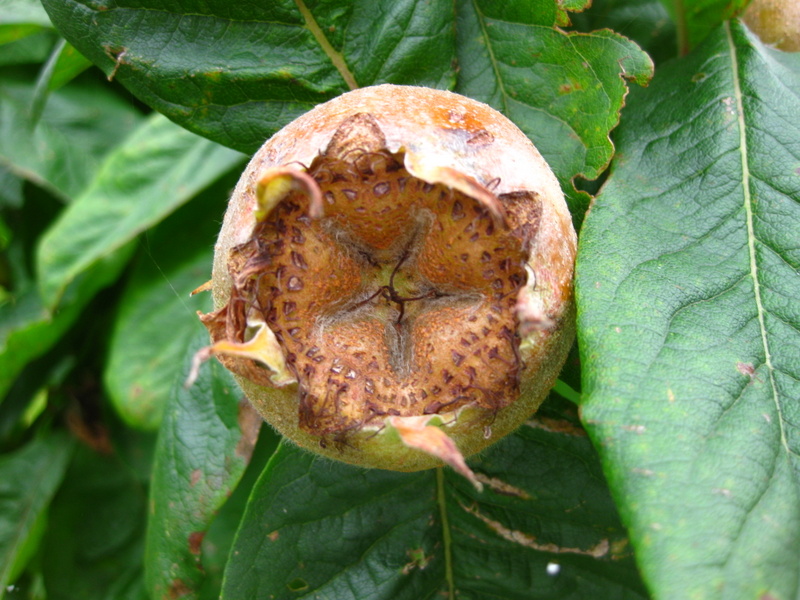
(776, 22)
(403, 253)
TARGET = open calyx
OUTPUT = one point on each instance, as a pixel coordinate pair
(390, 289)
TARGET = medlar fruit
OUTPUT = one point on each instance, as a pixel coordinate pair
(393, 279)
(775, 22)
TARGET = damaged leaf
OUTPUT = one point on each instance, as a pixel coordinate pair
(206, 439)
(563, 90)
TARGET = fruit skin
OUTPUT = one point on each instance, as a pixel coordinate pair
(775, 22)
(439, 132)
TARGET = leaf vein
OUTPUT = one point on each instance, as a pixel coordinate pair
(335, 57)
(748, 205)
(492, 58)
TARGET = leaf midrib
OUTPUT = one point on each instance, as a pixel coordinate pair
(335, 57)
(446, 537)
(495, 67)
(751, 237)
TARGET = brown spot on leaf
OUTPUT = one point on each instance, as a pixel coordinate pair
(118, 56)
(196, 542)
(418, 560)
(568, 88)
(745, 369)
(178, 589)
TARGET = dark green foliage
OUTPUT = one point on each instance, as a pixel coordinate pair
(677, 479)
(691, 348)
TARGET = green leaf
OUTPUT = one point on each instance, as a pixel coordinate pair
(10, 189)
(29, 478)
(219, 538)
(698, 18)
(21, 18)
(93, 549)
(646, 22)
(31, 49)
(371, 534)
(69, 64)
(204, 445)
(157, 318)
(28, 328)
(563, 90)
(78, 127)
(236, 74)
(26, 33)
(64, 64)
(688, 279)
(155, 324)
(157, 169)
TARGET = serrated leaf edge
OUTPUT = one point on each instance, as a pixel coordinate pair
(642, 79)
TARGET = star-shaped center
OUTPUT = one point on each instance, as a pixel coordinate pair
(388, 295)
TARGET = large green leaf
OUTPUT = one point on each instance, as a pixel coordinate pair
(646, 22)
(563, 90)
(29, 478)
(204, 445)
(64, 64)
(31, 49)
(544, 527)
(93, 548)
(238, 72)
(157, 169)
(156, 320)
(63, 150)
(688, 280)
(697, 19)
(21, 18)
